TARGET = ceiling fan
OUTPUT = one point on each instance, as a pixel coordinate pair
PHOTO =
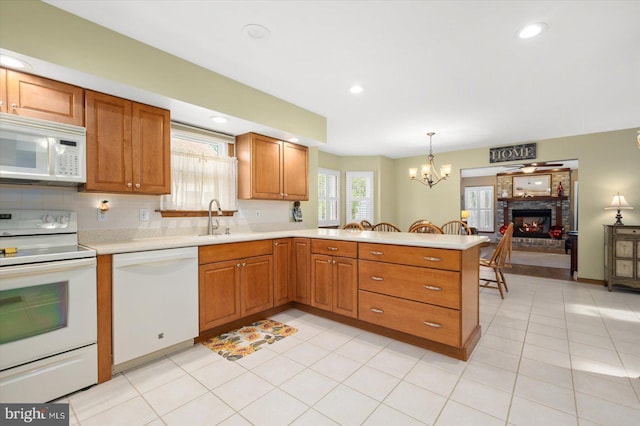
(532, 167)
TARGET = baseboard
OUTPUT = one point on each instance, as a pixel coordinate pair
(590, 281)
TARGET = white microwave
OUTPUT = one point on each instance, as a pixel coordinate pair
(34, 151)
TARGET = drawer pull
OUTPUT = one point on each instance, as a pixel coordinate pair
(432, 259)
(376, 311)
(373, 277)
(332, 248)
(377, 253)
(432, 287)
(432, 324)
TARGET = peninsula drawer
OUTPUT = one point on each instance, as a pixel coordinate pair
(419, 319)
(433, 286)
(334, 248)
(229, 251)
(416, 256)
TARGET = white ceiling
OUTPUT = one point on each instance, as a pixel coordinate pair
(453, 67)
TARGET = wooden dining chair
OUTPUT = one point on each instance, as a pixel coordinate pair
(456, 227)
(368, 226)
(418, 222)
(500, 259)
(426, 228)
(353, 226)
(386, 227)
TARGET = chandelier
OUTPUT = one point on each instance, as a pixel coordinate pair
(429, 175)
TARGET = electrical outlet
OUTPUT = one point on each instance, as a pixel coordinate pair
(102, 215)
(258, 213)
(144, 215)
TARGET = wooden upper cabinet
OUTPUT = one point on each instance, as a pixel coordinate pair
(270, 169)
(3, 90)
(31, 96)
(128, 146)
(151, 149)
(295, 171)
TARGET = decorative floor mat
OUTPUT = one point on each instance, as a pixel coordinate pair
(248, 339)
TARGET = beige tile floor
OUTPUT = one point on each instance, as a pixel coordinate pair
(552, 353)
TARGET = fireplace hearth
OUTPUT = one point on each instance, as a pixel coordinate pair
(531, 223)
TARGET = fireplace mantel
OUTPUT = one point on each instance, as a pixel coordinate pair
(545, 198)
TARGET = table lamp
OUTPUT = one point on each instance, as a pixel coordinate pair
(464, 215)
(619, 203)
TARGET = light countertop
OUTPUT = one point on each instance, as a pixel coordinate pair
(453, 242)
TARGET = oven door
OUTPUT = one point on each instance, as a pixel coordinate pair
(45, 309)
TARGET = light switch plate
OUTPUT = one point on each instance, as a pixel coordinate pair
(144, 215)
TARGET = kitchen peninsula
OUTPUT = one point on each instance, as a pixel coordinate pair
(418, 288)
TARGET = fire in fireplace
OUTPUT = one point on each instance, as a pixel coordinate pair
(531, 223)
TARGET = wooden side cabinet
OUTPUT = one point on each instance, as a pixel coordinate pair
(622, 256)
(282, 271)
(128, 146)
(36, 97)
(301, 270)
(270, 169)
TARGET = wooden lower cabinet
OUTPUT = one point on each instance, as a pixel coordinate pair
(231, 288)
(430, 322)
(256, 285)
(219, 293)
(429, 293)
(301, 270)
(334, 284)
(282, 271)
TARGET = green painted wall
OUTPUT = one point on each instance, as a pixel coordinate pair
(384, 181)
(44, 32)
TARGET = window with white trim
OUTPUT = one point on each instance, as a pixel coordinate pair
(201, 170)
(328, 197)
(478, 201)
(359, 197)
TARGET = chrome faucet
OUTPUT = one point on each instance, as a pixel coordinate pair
(210, 227)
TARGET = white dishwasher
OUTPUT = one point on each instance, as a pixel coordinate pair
(155, 301)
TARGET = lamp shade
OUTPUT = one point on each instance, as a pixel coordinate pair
(619, 203)
(464, 214)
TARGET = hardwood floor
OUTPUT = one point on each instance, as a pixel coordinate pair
(533, 270)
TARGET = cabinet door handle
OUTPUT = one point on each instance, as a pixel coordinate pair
(376, 311)
(275, 244)
(129, 184)
(286, 195)
(432, 324)
(373, 277)
(377, 253)
(237, 265)
(432, 287)
(137, 185)
(334, 262)
(332, 248)
(244, 264)
(329, 261)
(14, 106)
(432, 259)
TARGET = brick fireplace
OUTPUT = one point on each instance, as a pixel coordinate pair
(533, 216)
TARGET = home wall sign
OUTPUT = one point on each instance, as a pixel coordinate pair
(525, 151)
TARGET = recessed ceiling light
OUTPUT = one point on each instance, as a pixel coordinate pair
(256, 32)
(294, 140)
(356, 89)
(532, 30)
(218, 119)
(11, 62)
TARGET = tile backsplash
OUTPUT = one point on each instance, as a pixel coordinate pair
(123, 218)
